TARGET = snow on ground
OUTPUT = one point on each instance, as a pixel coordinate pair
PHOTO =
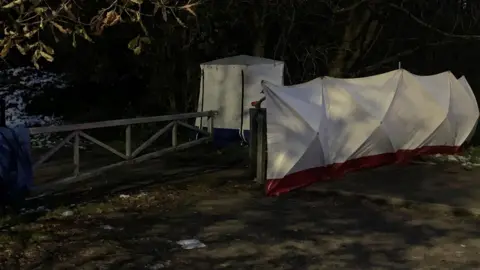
(19, 87)
(468, 159)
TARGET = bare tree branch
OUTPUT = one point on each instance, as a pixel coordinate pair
(349, 8)
(401, 54)
(431, 27)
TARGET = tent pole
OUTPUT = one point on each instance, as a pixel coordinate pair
(242, 105)
(203, 96)
(202, 93)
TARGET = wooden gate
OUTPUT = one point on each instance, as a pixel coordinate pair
(130, 155)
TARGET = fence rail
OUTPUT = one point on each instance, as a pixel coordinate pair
(130, 155)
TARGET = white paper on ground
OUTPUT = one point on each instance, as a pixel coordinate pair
(191, 244)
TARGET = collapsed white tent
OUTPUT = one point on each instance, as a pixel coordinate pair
(329, 126)
(229, 85)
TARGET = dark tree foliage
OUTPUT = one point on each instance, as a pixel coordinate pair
(145, 54)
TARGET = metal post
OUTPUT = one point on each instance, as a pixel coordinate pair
(253, 112)
(3, 116)
(261, 146)
(210, 125)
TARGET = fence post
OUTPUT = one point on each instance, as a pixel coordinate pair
(76, 154)
(174, 134)
(3, 116)
(128, 141)
(210, 125)
(261, 146)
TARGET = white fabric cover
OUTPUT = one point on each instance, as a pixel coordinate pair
(221, 87)
(329, 120)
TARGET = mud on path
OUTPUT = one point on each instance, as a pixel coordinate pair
(137, 228)
(241, 229)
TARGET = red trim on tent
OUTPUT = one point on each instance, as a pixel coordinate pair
(275, 187)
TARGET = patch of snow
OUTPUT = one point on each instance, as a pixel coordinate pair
(67, 213)
(160, 265)
(191, 244)
(127, 196)
(107, 227)
(466, 160)
(19, 87)
(37, 210)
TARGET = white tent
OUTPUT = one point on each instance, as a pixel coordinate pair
(329, 126)
(463, 81)
(229, 85)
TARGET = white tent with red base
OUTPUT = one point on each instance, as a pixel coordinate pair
(328, 126)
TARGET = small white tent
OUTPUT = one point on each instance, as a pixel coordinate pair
(229, 85)
(330, 126)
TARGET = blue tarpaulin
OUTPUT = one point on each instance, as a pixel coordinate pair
(16, 172)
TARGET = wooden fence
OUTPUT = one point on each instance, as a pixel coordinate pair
(130, 155)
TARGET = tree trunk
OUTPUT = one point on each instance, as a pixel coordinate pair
(259, 45)
(353, 43)
(259, 25)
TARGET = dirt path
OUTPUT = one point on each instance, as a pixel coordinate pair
(451, 184)
(242, 230)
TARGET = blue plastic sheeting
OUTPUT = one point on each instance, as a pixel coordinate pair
(224, 136)
(16, 172)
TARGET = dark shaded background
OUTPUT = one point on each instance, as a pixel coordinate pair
(314, 37)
